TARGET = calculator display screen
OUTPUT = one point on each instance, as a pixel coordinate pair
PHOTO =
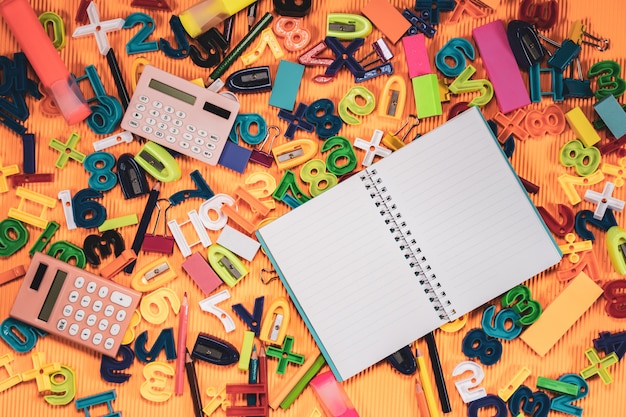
(171, 91)
(53, 294)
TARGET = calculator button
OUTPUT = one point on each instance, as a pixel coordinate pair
(158, 134)
(103, 291)
(97, 306)
(121, 299)
(187, 136)
(191, 128)
(133, 124)
(91, 320)
(79, 282)
(85, 301)
(210, 146)
(109, 343)
(144, 99)
(147, 129)
(91, 287)
(97, 339)
(109, 310)
(162, 126)
(157, 104)
(103, 324)
(170, 139)
(184, 145)
(73, 297)
(202, 133)
(121, 315)
(169, 109)
(154, 113)
(140, 107)
(150, 121)
(214, 138)
(199, 141)
(181, 114)
(61, 325)
(80, 315)
(207, 154)
(166, 117)
(177, 123)
(85, 333)
(196, 149)
(73, 330)
(67, 310)
(174, 131)
(137, 115)
(115, 329)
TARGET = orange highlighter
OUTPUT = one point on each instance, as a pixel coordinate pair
(45, 60)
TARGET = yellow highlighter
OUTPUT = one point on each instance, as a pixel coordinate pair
(207, 14)
(427, 386)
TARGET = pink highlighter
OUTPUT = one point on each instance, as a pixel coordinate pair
(45, 60)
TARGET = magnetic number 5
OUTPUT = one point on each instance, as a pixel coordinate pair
(314, 173)
(609, 81)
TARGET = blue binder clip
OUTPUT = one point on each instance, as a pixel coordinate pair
(419, 24)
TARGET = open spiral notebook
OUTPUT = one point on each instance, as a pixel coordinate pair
(419, 238)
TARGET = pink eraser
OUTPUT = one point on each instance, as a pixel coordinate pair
(202, 273)
(416, 55)
(504, 74)
(332, 396)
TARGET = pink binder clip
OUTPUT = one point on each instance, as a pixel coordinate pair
(159, 243)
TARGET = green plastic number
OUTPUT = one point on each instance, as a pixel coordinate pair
(521, 302)
(585, 160)
(463, 84)
(62, 382)
(13, 236)
(349, 104)
(314, 173)
(609, 81)
(342, 159)
(288, 184)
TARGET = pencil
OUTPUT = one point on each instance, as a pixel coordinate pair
(143, 224)
(253, 371)
(183, 318)
(252, 14)
(426, 384)
(421, 400)
(435, 363)
(193, 384)
(241, 46)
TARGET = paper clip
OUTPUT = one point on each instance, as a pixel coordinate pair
(577, 34)
(155, 243)
(392, 141)
(266, 280)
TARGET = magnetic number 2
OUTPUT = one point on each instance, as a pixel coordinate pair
(314, 173)
(563, 403)
(469, 388)
(138, 44)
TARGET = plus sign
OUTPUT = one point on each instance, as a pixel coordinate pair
(284, 355)
(604, 200)
(598, 366)
(98, 29)
(372, 148)
(41, 371)
(67, 150)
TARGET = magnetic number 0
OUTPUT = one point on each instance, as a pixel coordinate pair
(314, 173)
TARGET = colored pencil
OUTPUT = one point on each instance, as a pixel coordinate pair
(426, 384)
(192, 377)
(435, 363)
(422, 406)
(183, 318)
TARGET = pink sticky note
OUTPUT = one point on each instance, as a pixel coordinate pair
(416, 55)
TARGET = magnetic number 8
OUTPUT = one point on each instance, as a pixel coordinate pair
(520, 301)
(342, 153)
(314, 173)
(609, 81)
(476, 344)
(584, 160)
(100, 166)
(616, 299)
(296, 37)
(326, 124)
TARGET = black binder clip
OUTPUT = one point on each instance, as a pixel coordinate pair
(250, 80)
(132, 177)
(403, 361)
(213, 350)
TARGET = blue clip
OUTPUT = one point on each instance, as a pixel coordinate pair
(181, 39)
(434, 7)
(418, 24)
(213, 43)
(244, 122)
(586, 216)
(131, 176)
(609, 343)
(343, 56)
(103, 244)
(296, 120)
(252, 320)
(165, 341)
(564, 56)
(202, 190)
(535, 83)
(213, 350)
(250, 80)
(28, 153)
(21, 337)
(384, 69)
(110, 367)
(235, 157)
(524, 44)
(403, 361)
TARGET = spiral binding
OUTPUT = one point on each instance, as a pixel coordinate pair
(407, 244)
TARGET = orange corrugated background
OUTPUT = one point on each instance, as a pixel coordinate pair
(379, 391)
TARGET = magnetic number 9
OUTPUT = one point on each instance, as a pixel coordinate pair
(342, 159)
(296, 37)
(472, 381)
(455, 49)
(349, 104)
(521, 302)
(62, 382)
(609, 81)
(105, 116)
(314, 173)
(13, 236)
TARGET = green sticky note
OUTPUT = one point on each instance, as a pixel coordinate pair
(286, 85)
(426, 92)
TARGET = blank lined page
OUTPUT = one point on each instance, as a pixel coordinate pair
(353, 286)
(463, 203)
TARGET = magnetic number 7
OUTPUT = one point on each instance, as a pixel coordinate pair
(569, 181)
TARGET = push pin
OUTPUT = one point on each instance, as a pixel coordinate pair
(382, 50)
(577, 34)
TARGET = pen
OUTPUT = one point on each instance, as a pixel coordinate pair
(252, 14)
(143, 223)
(426, 384)
(193, 384)
(183, 318)
(241, 46)
(421, 400)
(433, 353)
(253, 374)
